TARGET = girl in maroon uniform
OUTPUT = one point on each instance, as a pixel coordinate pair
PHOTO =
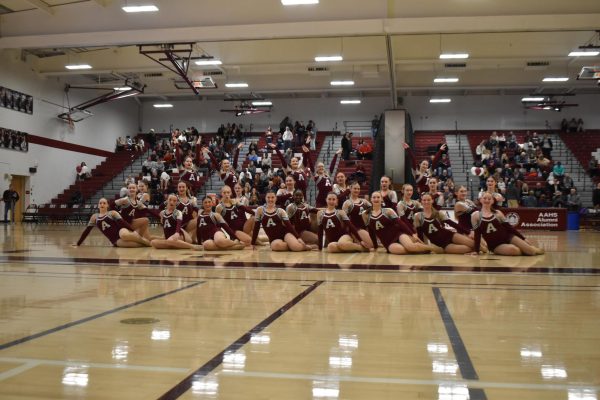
(240, 196)
(189, 175)
(235, 215)
(341, 188)
(463, 209)
(133, 211)
(436, 196)
(407, 207)
(491, 186)
(175, 236)
(209, 232)
(430, 224)
(275, 222)
(422, 172)
(187, 204)
(227, 171)
(285, 195)
(296, 169)
(355, 207)
(323, 183)
(337, 228)
(115, 228)
(385, 225)
(502, 238)
(299, 214)
(389, 196)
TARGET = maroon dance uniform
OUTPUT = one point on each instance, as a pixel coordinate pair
(298, 174)
(355, 212)
(335, 225)
(433, 229)
(187, 209)
(324, 186)
(283, 197)
(276, 224)
(132, 210)
(190, 177)
(436, 197)
(386, 227)
(495, 230)
(171, 222)
(209, 224)
(299, 216)
(235, 216)
(422, 178)
(390, 200)
(109, 225)
(464, 219)
(342, 194)
(407, 211)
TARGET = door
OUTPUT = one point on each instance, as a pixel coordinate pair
(19, 184)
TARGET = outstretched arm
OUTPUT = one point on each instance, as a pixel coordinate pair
(280, 155)
(334, 160)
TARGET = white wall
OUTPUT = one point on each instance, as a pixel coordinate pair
(56, 168)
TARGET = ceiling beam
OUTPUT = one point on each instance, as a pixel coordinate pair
(41, 5)
(392, 71)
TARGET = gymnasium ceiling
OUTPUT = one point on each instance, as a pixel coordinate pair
(272, 47)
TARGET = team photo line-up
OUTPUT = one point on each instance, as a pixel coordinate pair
(339, 221)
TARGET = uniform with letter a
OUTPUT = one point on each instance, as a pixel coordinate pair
(495, 231)
(300, 216)
(187, 210)
(109, 227)
(207, 227)
(130, 211)
(273, 224)
(170, 222)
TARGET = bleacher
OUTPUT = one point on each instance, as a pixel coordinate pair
(582, 145)
(426, 144)
(348, 167)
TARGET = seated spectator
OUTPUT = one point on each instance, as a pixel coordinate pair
(564, 125)
(544, 202)
(121, 143)
(253, 147)
(480, 149)
(502, 141)
(266, 162)
(580, 125)
(83, 172)
(365, 150)
(529, 200)
(253, 156)
(444, 165)
(593, 169)
(558, 171)
(559, 199)
(573, 200)
(129, 143)
(269, 136)
(358, 175)
(596, 196)
(567, 182)
(513, 194)
(573, 125)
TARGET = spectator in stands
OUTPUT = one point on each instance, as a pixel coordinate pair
(449, 199)
(444, 165)
(580, 125)
(480, 149)
(558, 171)
(310, 140)
(358, 175)
(164, 181)
(573, 200)
(502, 141)
(547, 146)
(288, 136)
(253, 147)
(593, 169)
(280, 141)
(529, 200)
(513, 195)
(266, 162)
(121, 143)
(596, 197)
(559, 199)
(567, 182)
(374, 126)
(129, 143)
(154, 183)
(269, 136)
(346, 145)
(151, 139)
(543, 201)
(253, 157)
(573, 125)
(364, 150)
(564, 125)
(139, 144)
(83, 172)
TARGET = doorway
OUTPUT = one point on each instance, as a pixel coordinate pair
(19, 183)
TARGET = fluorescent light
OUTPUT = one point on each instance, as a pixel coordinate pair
(449, 56)
(445, 80)
(208, 62)
(556, 79)
(163, 105)
(122, 89)
(342, 83)
(440, 100)
(328, 58)
(136, 9)
(78, 66)
(350, 102)
(525, 99)
(298, 2)
(584, 53)
(262, 103)
(237, 85)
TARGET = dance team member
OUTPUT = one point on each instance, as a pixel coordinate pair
(355, 207)
(389, 196)
(175, 236)
(208, 229)
(235, 215)
(337, 229)
(423, 171)
(133, 211)
(464, 209)
(407, 207)
(299, 214)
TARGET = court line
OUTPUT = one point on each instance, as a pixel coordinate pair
(30, 363)
(106, 276)
(465, 365)
(93, 317)
(406, 381)
(315, 266)
(183, 386)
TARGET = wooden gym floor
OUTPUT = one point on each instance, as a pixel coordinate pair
(97, 322)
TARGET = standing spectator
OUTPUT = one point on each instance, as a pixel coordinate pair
(346, 145)
(10, 198)
(288, 136)
(374, 126)
(152, 139)
(593, 169)
(547, 146)
(573, 200)
(580, 125)
(596, 196)
(269, 136)
(572, 127)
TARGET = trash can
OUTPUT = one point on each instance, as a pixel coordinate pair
(573, 221)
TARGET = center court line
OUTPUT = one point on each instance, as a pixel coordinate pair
(466, 367)
(34, 362)
(93, 317)
(404, 381)
(183, 386)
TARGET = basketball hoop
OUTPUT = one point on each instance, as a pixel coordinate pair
(74, 115)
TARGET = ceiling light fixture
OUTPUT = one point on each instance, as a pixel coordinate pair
(78, 66)
(137, 9)
(445, 80)
(237, 85)
(298, 2)
(555, 79)
(163, 105)
(122, 89)
(526, 99)
(349, 101)
(208, 62)
(450, 56)
(328, 58)
(580, 53)
(262, 103)
(341, 83)
(440, 100)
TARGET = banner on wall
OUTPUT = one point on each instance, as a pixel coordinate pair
(542, 219)
(13, 140)
(16, 101)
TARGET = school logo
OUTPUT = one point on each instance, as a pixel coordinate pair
(513, 218)
(330, 224)
(270, 222)
(105, 225)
